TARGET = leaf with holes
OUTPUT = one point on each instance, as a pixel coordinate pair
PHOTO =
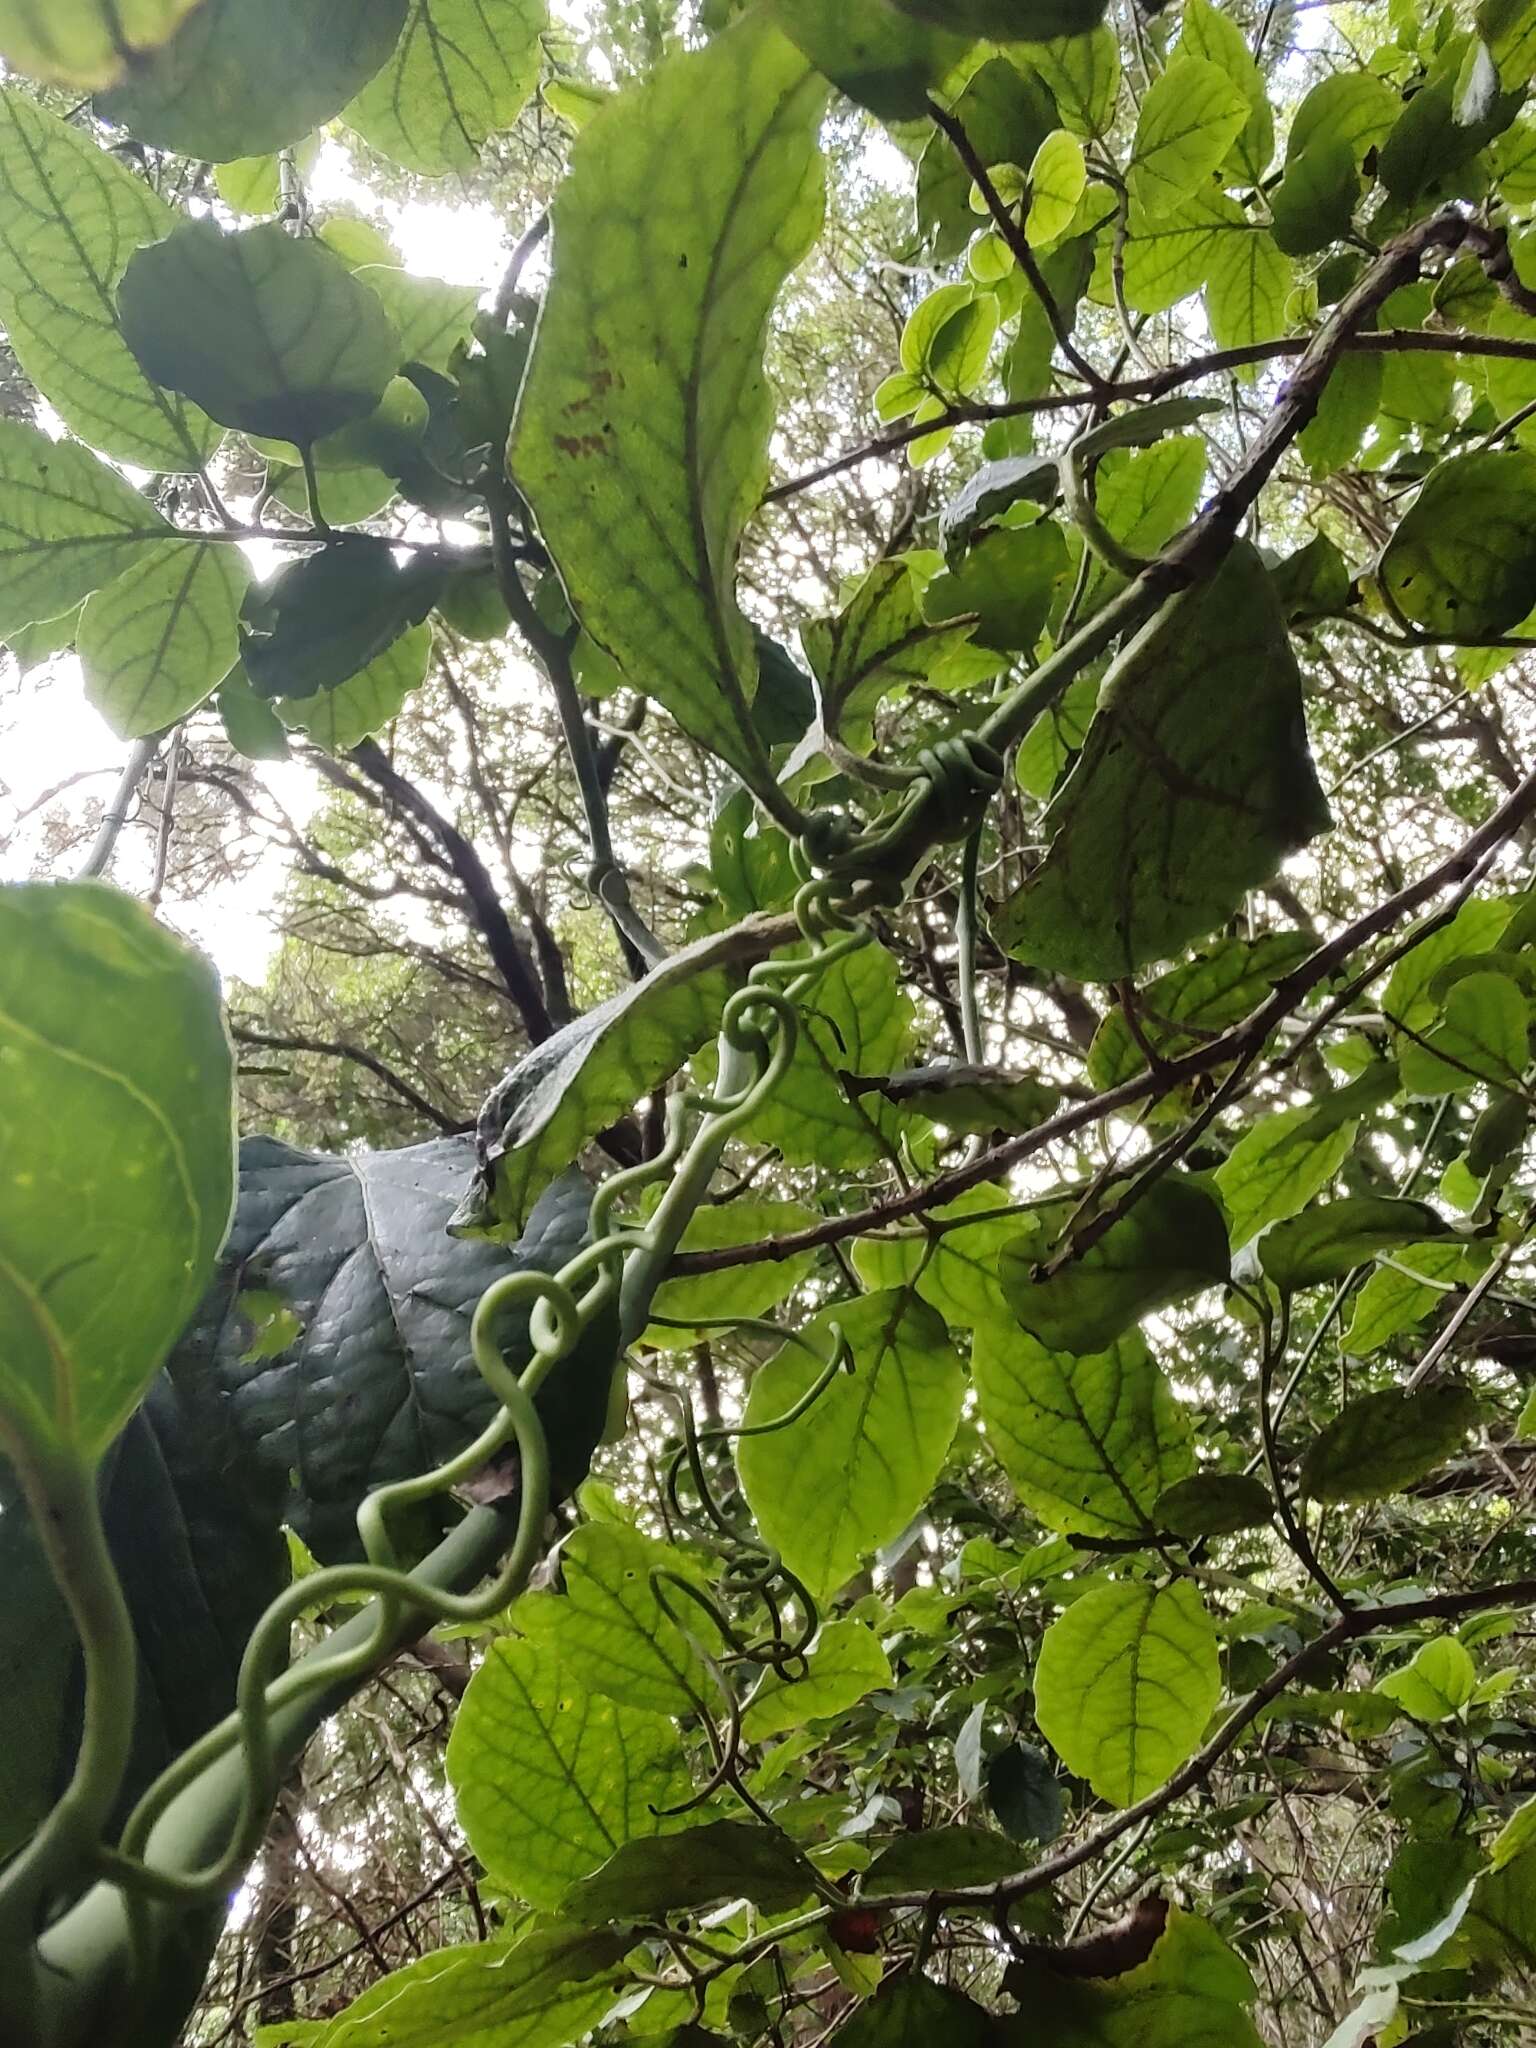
(643, 430)
(1128, 1677)
(850, 1473)
(621, 1636)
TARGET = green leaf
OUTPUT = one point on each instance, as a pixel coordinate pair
(1277, 1167)
(1057, 179)
(939, 1858)
(327, 617)
(1346, 411)
(1025, 1795)
(239, 80)
(1485, 1039)
(1190, 1992)
(265, 332)
(1332, 1238)
(851, 1473)
(1435, 1684)
(724, 1859)
(551, 1987)
(955, 1269)
(1216, 37)
(116, 1131)
(1314, 203)
(1082, 73)
(966, 1099)
(1025, 21)
(595, 1069)
(948, 338)
(431, 317)
(551, 1778)
(1462, 560)
(84, 43)
(1430, 140)
(883, 59)
(857, 1020)
(1171, 1244)
(341, 717)
(1139, 426)
(68, 526)
(1128, 1677)
(990, 491)
(32, 646)
(1006, 114)
(1169, 256)
(1193, 785)
(1352, 106)
(1384, 1442)
(70, 218)
(1247, 289)
(879, 642)
(1011, 580)
(1190, 117)
(736, 1290)
(911, 2011)
(355, 1246)
(1091, 1444)
(1213, 1504)
(616, 1636)
(461, 72)
(161, 638)
(845, 1664)
(1178, 1009)
(1392, 1300)
(642, 484)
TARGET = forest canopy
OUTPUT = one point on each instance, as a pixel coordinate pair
(767, 960)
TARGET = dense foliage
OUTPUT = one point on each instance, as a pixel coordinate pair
(864, 1374)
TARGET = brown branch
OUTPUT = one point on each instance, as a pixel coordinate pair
(337, 1049)
(1241, 1041)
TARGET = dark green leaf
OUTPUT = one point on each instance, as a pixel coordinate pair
(328, 616)
(1025, 1795)
(879, 56)
(1172, 1243)
(939, 1858)
(251, 726)
(115, 1126)
(1026, 21)
(265, 332)
(1177, 1010)
(1314, 203)
(1484, 1039)
(1213, 1504)
(642, 488)
(968, 1099)
(1011, 580)
(461, 72)
(1332, 1238)
(1194, 783)
(379, 1382)
(1192, 1991)
(1384, 1442)
(912, 2012)
(1430, 141)
(1141, 425)
(724, 1859)
(342, 718)
(242, 80)
(1462, 561)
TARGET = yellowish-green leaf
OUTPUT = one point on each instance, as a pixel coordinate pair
(84, 43)
(1056, 181)
(68, 525)
(1437, 1681)
(1190, 116)
(70, 218)
(749, 1290)
(844, 1665)
(461, 72)
(1245, 294)
(161, 638)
